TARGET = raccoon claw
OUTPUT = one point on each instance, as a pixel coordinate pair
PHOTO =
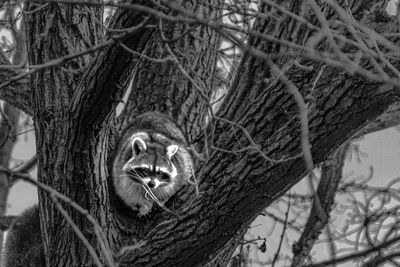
(143, 211)
(142, 215)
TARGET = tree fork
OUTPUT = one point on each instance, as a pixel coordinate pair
(79, 167)
(235, 187)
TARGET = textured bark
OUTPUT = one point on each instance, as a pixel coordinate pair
(235, 187)
(163, 87)
(224, 257)
(390, 118)
(74, 113)
(55, 31)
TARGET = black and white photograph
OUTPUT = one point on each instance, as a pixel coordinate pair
(200, 133)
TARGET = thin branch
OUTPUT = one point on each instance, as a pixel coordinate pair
(356, 255)
(25, 167)
(331, 174)
(17, 94)
(35, 68)
(154, 60)
(226, 31)
(276, 257)
(6, 222)
(379, 259)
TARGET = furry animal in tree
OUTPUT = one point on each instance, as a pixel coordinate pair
(151, 162)
(152, 154)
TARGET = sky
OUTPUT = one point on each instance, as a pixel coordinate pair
(380, 150)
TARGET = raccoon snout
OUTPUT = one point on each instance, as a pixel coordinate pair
(151, 184)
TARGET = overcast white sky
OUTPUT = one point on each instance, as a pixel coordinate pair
(380, 150)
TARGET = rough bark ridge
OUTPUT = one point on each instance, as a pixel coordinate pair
(56, 31)
(74, 105)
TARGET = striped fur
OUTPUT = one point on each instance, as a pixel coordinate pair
(152, 150)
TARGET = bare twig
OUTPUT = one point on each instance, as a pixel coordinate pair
(356, 255)
(331, 174)
(35, 68)
(6, 222)
(276, 257)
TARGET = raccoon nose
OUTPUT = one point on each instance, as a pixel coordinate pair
(151, 184)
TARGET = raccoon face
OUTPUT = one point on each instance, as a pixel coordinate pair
(151, 163)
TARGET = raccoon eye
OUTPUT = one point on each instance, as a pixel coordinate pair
(142, 172)
(164, 176)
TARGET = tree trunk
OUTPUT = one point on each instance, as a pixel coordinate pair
(74, 107)
(55, 31)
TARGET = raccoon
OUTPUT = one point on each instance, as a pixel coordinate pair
(151, 162)
(23, 247)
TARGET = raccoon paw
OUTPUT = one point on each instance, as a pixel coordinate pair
(144, 210)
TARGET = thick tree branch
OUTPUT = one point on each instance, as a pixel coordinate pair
(183, 82)
(237, 186)
(389, 118)
(104, 84)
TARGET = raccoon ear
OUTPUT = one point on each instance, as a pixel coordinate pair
(138, 145)
(171, 150)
